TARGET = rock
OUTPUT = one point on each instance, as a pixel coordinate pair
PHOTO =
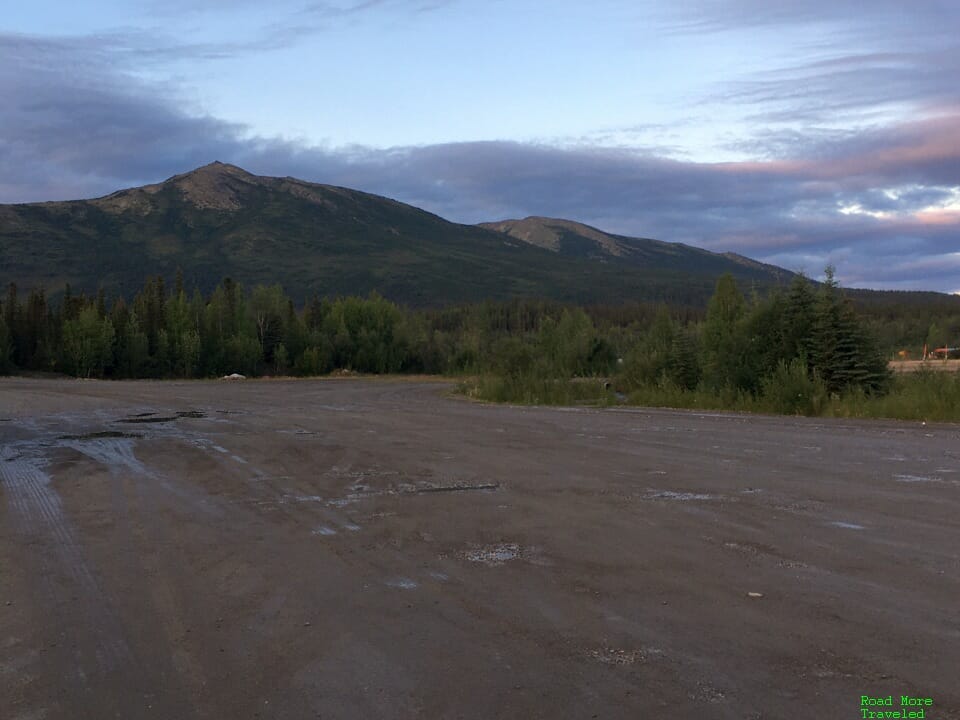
(754, 594)
(234, 376)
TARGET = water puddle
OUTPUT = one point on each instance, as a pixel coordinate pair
(847, 525)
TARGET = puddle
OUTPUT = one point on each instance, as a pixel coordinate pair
(847, 526)
(323, 530)
(194, 414)
(494, 555)
(352, 527)
(455, 487)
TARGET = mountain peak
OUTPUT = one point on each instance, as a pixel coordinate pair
(218, 168)
(549, 233)
(215, 186)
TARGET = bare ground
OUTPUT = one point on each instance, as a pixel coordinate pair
(353, 549)
(909, 366)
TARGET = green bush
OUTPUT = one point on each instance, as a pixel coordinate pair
(792, 390)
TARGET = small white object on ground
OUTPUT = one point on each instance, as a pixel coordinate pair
(755, 594)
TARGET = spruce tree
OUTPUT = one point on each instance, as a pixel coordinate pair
(722, 343)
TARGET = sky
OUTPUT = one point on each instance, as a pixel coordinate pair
(798, 132)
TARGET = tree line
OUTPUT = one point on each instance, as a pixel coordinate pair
(739, 344)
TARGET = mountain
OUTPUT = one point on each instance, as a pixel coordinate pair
(220, 221)
(565, 237)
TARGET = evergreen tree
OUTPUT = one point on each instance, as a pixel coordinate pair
(723, 347)
(798, 320)
(843, 352)
(684, 366)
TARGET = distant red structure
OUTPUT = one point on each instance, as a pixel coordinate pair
(941, 353)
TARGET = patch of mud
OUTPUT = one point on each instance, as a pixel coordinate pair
(360, 490)
(154, 418)
(151, 419)
(100, 435)
(423, 488)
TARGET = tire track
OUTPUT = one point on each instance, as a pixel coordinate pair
(38, 513)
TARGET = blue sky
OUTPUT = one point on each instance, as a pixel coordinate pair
(798, 132)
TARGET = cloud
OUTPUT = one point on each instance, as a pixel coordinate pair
(883, 204)
(839, 61)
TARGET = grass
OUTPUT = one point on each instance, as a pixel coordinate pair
(923, 395)
(529, 390)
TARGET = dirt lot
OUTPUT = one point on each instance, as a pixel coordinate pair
(355, 549)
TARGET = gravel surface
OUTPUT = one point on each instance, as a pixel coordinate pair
(376, 549)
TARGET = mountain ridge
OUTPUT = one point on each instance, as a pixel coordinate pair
(220, 220)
